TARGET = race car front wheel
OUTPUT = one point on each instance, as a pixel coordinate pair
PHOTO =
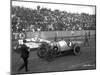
(42, 52)
(76, 50)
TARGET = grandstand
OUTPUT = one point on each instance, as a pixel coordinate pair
(44, 19)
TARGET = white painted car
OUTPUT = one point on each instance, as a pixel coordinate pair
(59, 47)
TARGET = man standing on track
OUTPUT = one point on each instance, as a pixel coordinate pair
(89, 34)
(24, 56)
(86, 42)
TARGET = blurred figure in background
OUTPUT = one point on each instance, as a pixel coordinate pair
(86, 42)
(89, 35)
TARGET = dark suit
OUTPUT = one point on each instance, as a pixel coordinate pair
(86, 42)
(24, 56)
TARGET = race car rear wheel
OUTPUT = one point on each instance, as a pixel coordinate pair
(42, 52)
(76, 50)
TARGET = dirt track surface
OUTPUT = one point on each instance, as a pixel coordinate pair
(86, 60)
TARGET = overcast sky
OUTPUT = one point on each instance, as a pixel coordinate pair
(61, 7)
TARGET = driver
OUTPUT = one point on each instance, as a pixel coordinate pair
(70, 43)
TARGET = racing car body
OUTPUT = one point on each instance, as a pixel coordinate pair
(50, 49)
(53, 49)
(32, 43)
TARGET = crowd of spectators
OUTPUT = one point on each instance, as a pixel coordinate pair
(44, 19)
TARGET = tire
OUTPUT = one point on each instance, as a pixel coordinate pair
(76, 50)
(49, 56)
(42, 52)
(52, 54)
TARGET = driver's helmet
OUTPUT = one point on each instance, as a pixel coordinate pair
(70, 42)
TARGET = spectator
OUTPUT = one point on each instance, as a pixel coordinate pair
(42, 18)
(86, 42)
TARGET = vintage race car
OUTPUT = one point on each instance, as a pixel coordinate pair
(32, 43)
(53, 49)
(50, 49)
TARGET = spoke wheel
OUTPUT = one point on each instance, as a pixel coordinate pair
(42, 52)
(76, 50)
